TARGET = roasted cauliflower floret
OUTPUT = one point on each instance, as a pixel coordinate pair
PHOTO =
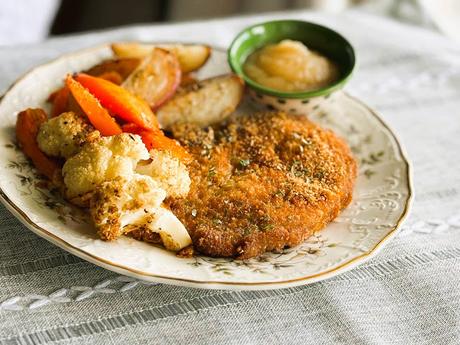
(122, 202)
(123, 206)
(64, 135)
(173, 234)
(101, 160)
(168, 171)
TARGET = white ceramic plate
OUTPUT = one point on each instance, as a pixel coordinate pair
(381, 198)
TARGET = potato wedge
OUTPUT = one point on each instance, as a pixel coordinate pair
(131, 50)
(191, 56)
(204, 103)
(156, 78)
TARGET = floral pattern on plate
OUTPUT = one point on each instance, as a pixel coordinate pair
(381, 198)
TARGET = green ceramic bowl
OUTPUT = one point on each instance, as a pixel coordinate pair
(314, 36)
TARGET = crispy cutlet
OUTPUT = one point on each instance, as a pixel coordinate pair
(262, 182)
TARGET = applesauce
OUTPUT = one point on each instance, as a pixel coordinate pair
(290, 66)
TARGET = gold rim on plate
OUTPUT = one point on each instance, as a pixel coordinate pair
(42, 232)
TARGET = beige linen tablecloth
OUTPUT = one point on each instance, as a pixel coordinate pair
(408, 294)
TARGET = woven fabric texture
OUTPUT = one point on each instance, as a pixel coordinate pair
(408, 294)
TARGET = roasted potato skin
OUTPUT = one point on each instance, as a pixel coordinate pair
(156, 78)
(203, 103)
(191, 56)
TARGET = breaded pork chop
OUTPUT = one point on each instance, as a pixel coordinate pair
(261, 183)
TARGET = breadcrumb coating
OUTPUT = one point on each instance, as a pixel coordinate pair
(64, 135)
(133, 206)
(121, 202)
(262, 182)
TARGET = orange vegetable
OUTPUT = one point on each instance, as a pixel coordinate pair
(97, 115)
(27, 126)
(59, 100)
(120, 102)
(157, 140)
(72, 105)
(52, 96)
(60, 97)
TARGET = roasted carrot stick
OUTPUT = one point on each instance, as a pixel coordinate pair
(27, 126)
(60, 97)
(120, 102)
(157, 140)
(60, 101)
(97, 115)
(52, 96)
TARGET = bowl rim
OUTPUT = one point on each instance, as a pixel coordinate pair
(237, 67)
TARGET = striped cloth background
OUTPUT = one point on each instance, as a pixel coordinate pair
(409, 294)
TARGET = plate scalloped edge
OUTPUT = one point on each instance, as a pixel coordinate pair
(216, 284)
